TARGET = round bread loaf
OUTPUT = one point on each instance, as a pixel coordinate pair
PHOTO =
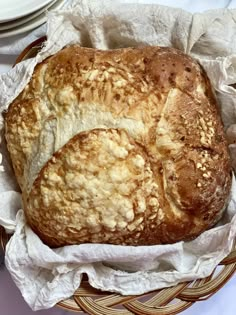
(122, 147)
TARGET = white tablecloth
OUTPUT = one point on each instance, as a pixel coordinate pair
(11, 301)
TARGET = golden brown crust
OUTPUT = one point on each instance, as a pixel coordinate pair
(82, 108)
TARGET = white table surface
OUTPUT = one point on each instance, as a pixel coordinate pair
(222, 303)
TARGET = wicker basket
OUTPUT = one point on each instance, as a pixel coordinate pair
(160, 302)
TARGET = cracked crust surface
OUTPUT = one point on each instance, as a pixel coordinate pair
(123, 147)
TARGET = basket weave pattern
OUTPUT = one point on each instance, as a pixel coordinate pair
(168, 301)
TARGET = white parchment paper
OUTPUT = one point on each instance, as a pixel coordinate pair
(46, 276)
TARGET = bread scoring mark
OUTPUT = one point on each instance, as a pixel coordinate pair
(173, 202)
(165, 142)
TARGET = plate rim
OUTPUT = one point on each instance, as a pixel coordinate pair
(18, 22)
(12, 16)
(31, 24)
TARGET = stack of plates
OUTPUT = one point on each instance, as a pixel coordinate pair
(17, 16)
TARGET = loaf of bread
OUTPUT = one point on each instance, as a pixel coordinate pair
(120, 147)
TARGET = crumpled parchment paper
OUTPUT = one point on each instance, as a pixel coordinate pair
(46, 276)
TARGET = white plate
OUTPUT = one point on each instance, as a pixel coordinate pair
(23, 20)
(13, 9)
(32, 23)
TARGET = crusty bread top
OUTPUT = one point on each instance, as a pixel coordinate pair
(152, 106)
